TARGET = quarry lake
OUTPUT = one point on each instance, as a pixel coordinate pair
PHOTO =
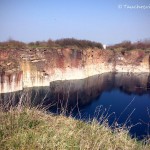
(121, 99)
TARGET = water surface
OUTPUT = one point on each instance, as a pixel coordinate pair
(122, 98)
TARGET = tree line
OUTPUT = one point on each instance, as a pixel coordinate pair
(53, 43)
(128, 45)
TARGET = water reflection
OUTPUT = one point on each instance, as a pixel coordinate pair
(126, 93)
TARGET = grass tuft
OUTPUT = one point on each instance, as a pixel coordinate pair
(35, 129)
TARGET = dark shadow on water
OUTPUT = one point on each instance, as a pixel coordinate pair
(122, 98)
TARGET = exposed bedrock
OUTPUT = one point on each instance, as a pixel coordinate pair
(39, 67)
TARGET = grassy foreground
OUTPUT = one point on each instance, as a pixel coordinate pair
(31, 129)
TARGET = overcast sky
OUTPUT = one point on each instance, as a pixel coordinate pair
(106, 21)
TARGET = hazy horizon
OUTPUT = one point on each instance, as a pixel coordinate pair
(107, 22)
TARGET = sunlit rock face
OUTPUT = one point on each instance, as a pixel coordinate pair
(40, 67)
(65, 64)
(132, 61)
(11, 82)
(68, 64)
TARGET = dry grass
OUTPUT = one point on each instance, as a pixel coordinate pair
(34, 129)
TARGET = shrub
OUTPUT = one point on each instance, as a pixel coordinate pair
(78, 43)
(50, 43)
(127, 45)
(12, 44)
(123, 45)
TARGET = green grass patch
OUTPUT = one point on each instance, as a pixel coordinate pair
(34, 129)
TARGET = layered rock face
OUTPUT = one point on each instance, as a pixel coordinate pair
(11, 82)
(39, 67)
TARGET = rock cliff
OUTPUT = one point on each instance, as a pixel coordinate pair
(39, 66)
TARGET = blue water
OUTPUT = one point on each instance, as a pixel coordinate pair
(122, 99)
(122, 108)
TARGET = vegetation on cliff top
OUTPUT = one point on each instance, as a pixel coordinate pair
(127, 45)
(34, 129)
(72, 42)
(68, 42)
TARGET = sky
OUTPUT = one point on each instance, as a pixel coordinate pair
(105, 21)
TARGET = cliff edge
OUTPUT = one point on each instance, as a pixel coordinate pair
(28, 67)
